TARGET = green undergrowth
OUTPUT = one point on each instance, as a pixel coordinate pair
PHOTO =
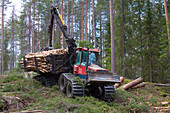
(49, 99)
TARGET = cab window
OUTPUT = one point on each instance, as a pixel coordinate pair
(92, 58)
(78, 58)
(83, 60)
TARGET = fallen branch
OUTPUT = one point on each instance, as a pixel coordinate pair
(165, 103)
(157, 84)
(14, 102)
(162, 109)
(131, 84)
(33, 111)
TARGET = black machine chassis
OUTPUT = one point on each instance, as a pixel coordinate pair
(77, 86)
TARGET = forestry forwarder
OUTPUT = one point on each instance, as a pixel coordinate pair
(85, 77)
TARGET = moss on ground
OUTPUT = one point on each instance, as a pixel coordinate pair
(50, 99)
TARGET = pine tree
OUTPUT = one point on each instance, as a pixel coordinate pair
(2, 37)
(81, 21)
(12, 42)
(29, 44)
(86, 22)
(72, 14)
(167, 22)
(112, 38)
(94, 25)
(33, 29)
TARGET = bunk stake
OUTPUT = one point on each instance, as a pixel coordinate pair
(53, 64)
(24, 63)
(36, 63)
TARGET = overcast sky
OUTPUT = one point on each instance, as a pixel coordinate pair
(17, 4)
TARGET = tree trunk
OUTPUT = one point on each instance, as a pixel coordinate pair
(29, 43)
(2, 37)
(33, 43)
(94, 24)
(81, 22)
(41, 34)
(53, 32)
(22, 34)
(140, 34)
(72, 18)
(113, 67)
(76, 37)
(167, 22)
(123, 36)
(15, 53)
(86, 22)
(63, 18)
(12, 42)
(149, 21)
(89, 23)
(38, 34)
(68, 18)
(150, 62)
(101, 37)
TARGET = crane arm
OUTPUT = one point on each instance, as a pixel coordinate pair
(69, 40)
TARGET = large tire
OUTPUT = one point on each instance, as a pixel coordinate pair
(48, 81)
(43, 81)
(62, 84)
(69, 90)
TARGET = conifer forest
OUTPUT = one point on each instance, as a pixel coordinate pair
(84, 56)
(140, 30)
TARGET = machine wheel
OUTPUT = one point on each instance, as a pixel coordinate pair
(62, 84)
(108, 93)
(47, 81)
(69, 90)
(43, 81)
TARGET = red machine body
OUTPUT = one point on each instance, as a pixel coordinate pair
(80, 66)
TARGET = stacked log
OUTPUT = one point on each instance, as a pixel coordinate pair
(42, 61)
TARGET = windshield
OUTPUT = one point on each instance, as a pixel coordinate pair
(82, 55)
(83, 60)
(92, 58)
(78, 58)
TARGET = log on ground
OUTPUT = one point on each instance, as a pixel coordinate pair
(157, 84)
(131, 84)
(139, 85)
(119, 84)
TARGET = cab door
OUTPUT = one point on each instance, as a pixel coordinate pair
(80, 66)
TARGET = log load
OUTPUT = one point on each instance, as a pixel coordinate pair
(47, 61)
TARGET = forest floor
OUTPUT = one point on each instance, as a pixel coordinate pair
(22, 94)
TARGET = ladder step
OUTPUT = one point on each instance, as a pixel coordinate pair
(79, 93)
(77, 89)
